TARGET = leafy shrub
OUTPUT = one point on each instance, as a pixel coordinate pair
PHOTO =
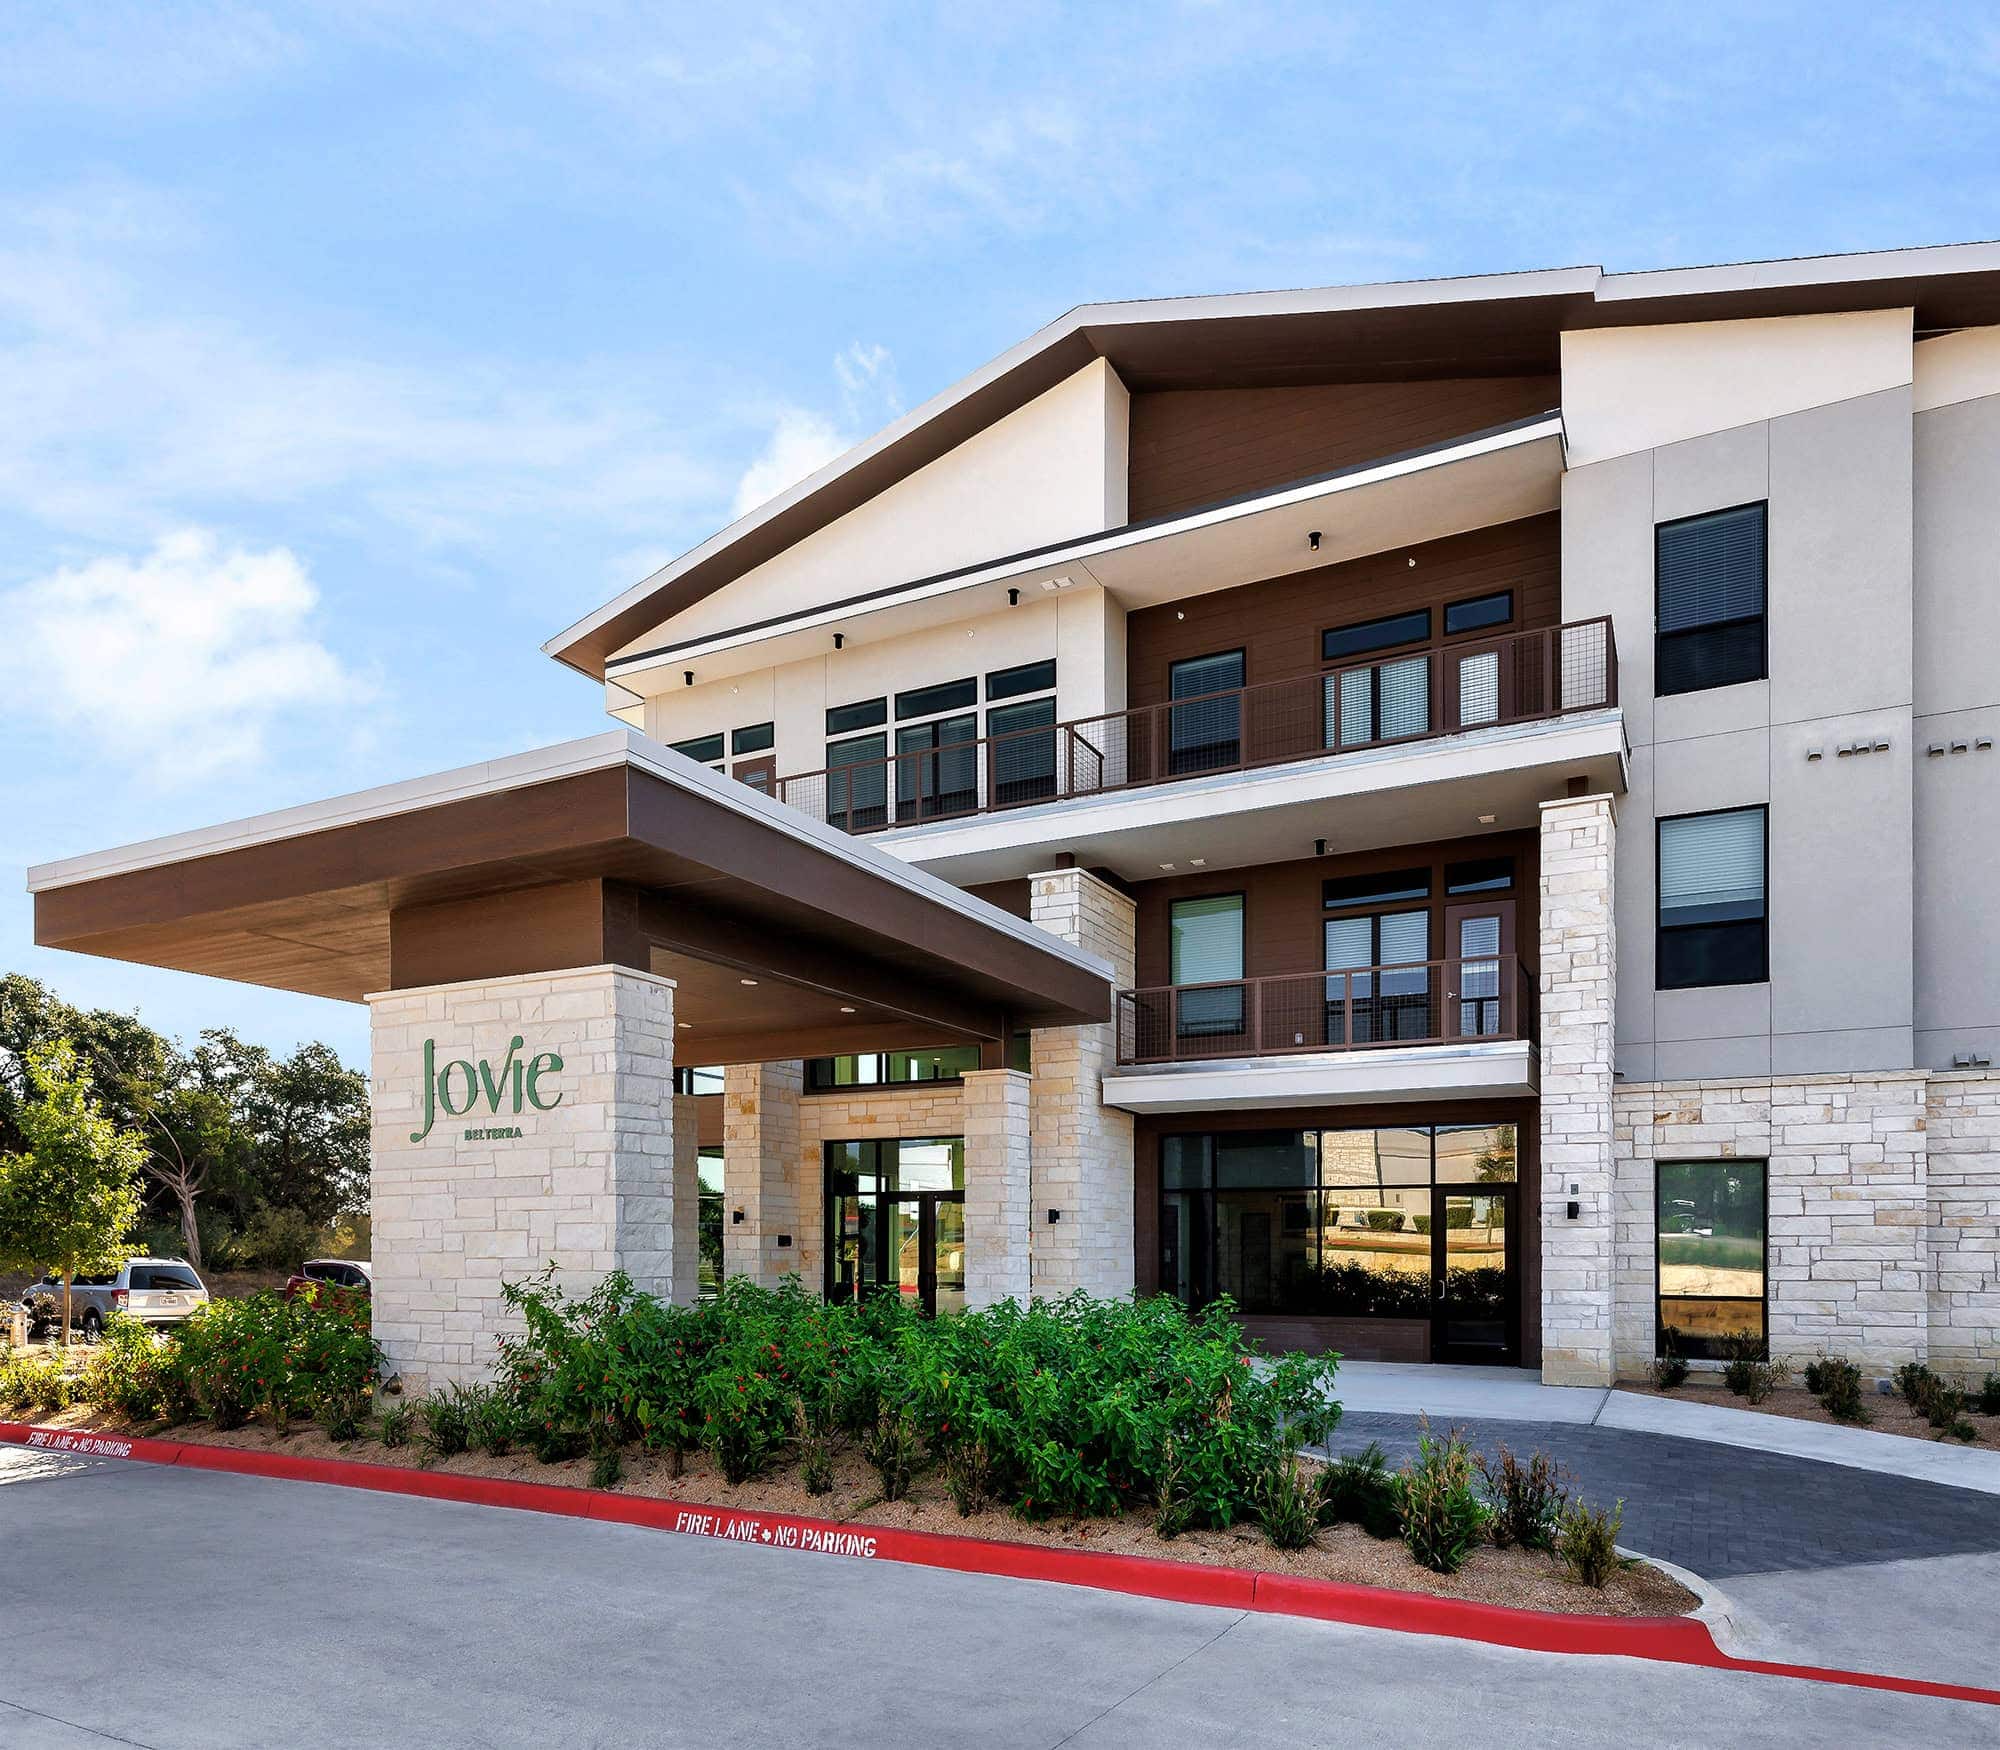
(1385, 1221)
(1527, 1499)
(40, 1382)
(607, 1465)
(1747, 1372)
(1670, 1369)
(967, 1469)
(444, 1423)
(492, 1421)
(1987, 1402)
(1837, 1385)
(1443, 1518)
(1938, 1403)
(340, 1407)
(1287, 1500)
(1587, 1542)
(281, 1358)
(1081, 1406)
(816, 1457)
(395, 1425)
(125, 1373)
(893, 1449)
(1357, 1486)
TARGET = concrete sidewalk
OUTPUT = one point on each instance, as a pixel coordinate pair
(1512, 1394)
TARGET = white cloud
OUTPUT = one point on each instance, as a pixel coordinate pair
(178, 661)
(801, 441)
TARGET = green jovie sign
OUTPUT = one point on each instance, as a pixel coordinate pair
(463, 1086)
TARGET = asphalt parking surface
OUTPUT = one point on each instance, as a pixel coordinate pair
(181, 1608)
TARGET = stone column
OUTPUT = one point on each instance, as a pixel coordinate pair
(518, 1122)
(996, 1123)
(1578, 989)
(1082, 1149)
(760, 1166)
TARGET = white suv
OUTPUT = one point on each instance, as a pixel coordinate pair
(156, 1291)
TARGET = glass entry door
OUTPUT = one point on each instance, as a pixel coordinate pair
(895, 1215)
(1474, 1247)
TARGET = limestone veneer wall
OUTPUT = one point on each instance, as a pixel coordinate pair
(1849, 1252)
(588, 1185)
(1963, 1228)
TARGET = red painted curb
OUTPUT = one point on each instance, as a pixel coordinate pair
(1679, 1640)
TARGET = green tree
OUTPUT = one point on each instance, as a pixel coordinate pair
(69, 1198)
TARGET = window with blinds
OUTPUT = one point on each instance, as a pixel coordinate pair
(1709, 609)
(1206, 735)
(1206, 948)
(1713, 925)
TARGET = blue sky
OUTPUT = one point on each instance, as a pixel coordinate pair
(348, 352)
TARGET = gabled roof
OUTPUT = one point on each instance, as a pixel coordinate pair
(1484, 325)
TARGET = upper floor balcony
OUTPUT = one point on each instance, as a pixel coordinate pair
(937, 773)
(1455, 1028)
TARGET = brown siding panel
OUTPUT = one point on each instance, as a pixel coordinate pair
(1278, 622)
(1196, 447)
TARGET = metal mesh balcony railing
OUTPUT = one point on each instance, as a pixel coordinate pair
(1426, 1002)
(1442, 689)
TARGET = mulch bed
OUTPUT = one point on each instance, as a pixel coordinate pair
(1886, 1415)
(1518, 1578)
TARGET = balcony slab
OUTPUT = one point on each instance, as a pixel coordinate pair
(1433, 789)
(1501, 1069)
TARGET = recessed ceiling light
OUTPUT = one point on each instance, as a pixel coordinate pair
(1486, 820)
(1197, 862)
(748, 981)
(847, 1008)
(683, 1023)
(1166, 865)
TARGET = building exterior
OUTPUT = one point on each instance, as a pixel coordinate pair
(1456, 815)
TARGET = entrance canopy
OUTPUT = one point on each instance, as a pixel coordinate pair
(786, 937)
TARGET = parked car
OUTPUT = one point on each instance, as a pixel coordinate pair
(354, 1273)
(156, 1291)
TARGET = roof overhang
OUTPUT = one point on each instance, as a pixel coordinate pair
(785, 937)
(1488, 477)
(1485, 325)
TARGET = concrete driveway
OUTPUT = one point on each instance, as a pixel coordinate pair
(179, 1608)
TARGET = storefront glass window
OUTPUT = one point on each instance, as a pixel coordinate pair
(1712, 1242)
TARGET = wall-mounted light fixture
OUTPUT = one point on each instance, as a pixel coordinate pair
(1312, 540)
(1055, 1215)
(1319, 847)
(839, 640)
(687, 677)
(736, 1218)
(1013, 598)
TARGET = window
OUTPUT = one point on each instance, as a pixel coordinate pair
(758, 738)
(1482, 875)
(937, 767)
(698, 1081)
(1205, 736)
(1381, 888)
(1478, 613)
(1384, 634)
(1709, 1217)
(1384, 1005)
(1709, 573)
(1030, 677)
(876, 1069)
(926, 701)
(842, 719)
(1023, 763)
(1712, 923)
(1339, 1223)
(857, 783)
(705, 748)
(708, 1223)
(1205, 947)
